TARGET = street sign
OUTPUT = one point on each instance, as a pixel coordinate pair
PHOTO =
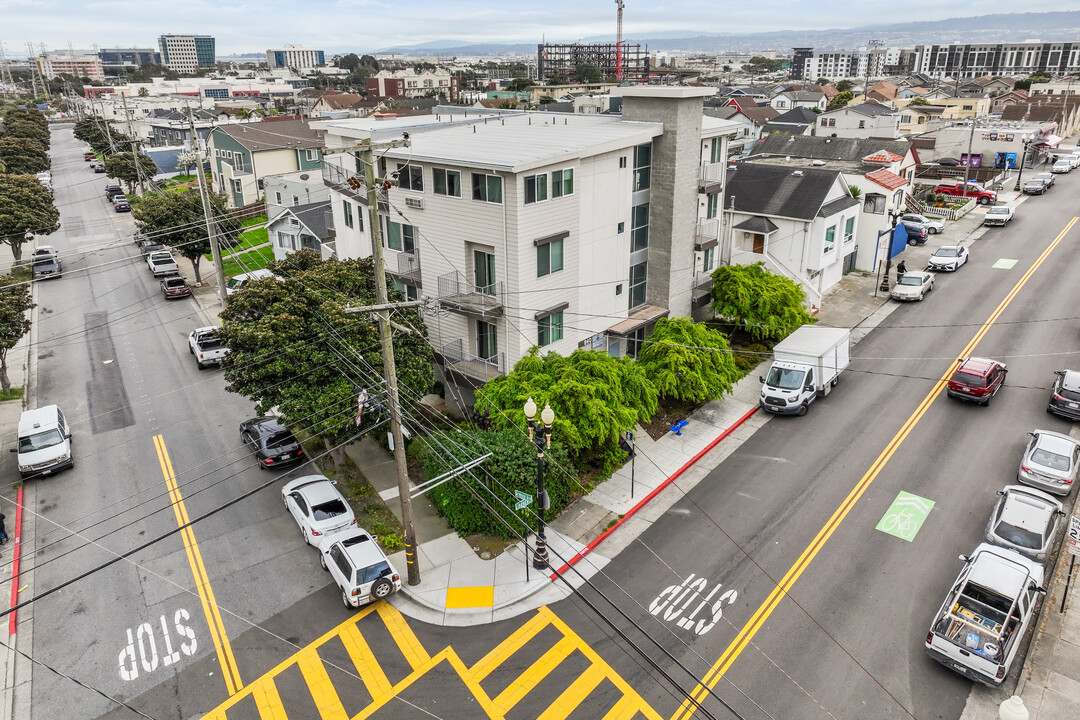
(1074, 535)
(524, 499)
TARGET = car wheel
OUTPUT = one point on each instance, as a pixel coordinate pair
(200, 364)
(381, 588)
(802, 410)
(835, 380)
(922, 296)
(984, 201)
(934, 231)
(322, 561)
(345, 599)
(986, 403)
(912, 241)
(303, 534)
(1050, 409)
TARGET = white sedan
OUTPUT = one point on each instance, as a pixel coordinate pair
(947, 257)
(317, 506)
(932, 226)
(913, 286)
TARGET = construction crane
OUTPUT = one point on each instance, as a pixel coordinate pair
(618, 44)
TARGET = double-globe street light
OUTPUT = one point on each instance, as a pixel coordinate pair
(540, 434)
(894, 215)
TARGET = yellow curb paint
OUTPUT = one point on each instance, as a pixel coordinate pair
(482, 596)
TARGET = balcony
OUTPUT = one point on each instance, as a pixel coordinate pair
(338, 178)
(408, 266)
(707, 233)
(460, 296)
(711, 177)
(477, 368)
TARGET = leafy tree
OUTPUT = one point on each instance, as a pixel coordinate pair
(292, 346)
(15, 302)
(759, 64)
(595, 398)
(369, 62)
(840, 100)
(176, 219)
(243, 113)
(349, 62)
(844, 85)
(1022, 84)
(130, 167)
(919, 101)
(761, 303)
(519, 84)
(688, 361)
(546, 100)
(588, 73)
(146, 73)
(823, 80)
(30, 115)
(465, 501)
(25, 207)
(143, 92)
(20, 127)
(20, 155)
(186, 160)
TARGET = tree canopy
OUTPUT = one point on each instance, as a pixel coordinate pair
(25, 206)
(588, 73)
(15, 301)
(518, 84)
(176, 219)
(760, 64)
(22, 155)
(688, 361)
(130, 167)
(844, 85)
(293, 347)
(840, 100)
(761, 303)
(919, 101)
(21, 126)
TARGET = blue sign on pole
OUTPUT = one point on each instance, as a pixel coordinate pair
(899, 240)
(524, 499)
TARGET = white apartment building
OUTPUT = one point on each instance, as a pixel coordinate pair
(187, 53)
(81, 64)
(295, 58)
(540, 229)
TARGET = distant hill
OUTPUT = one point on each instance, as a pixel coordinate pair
(1011, 27)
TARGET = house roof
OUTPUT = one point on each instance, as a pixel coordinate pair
(345, 101)
(838, 205)
(779, 128)
(804, 96)
(829, 148)
(883, 156)
(312, 216)
(886, 179)
(760, 114)
(779, 191)
(800, 115)
(757, 224)
(871, 108)
(273, 135)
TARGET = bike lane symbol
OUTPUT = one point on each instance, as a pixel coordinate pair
(905, 516)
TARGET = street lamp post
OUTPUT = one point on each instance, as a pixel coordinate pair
(540, 434)
(1026, 138)
(894, 215)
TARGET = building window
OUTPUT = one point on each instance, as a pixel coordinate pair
(277, 198)
(715, 151)
(295, 200)
(347, 206)
(639, 227)
(849, 230)
(712, 206)
(562, 183)
(411, 177)
(286, 241)
(874, 203)
(549, 258)
(550, 329)
(238, 186)
(709, 259)
(622, 161)
(643, 167)
(447, 182)
(535, 189)
(487, 340)
(487, 188)
(409, 291)
(830, 238)
(399, 237)
(311, 155)
(637, 284)
(622, 228)
(862, 124)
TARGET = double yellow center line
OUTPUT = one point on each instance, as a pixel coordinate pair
(198, 569)
(757, 621)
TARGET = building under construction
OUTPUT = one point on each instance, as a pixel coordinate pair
(558, 62)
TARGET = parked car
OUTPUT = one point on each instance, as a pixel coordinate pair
(239, 281)
(112, 189)
(359, 567)
(977, 380)
(980, 626)
(1062, 166)
(1065, 396)
(913, 286)
(1074, 159)
(1034, 186)
(1048, 178)
(981, 194)
(149, 246)
(1050, 462)
(88, 156)
(998, 215)
(206, 345)
(317, 506)
(948, 161)
(273, 444)
(932, 226)
(121, 205)
(47, 267)
(162, 262)
(175, 287)
(97, 167)
(948, 257)
(1025, 520)
(916, 234)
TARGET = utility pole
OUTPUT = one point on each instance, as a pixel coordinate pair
(134, 145)
(211, 226)
(366, 156)
(967, 165)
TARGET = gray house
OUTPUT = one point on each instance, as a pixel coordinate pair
(299, 227)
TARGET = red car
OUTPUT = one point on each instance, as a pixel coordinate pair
(174, 287)
(982, 195)
(977, 380)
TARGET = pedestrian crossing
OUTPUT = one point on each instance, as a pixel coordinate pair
(374, 664)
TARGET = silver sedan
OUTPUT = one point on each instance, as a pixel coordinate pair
(1050, 462)
(1025, 520)
(913, 286)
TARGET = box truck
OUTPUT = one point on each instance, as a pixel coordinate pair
(806, 365)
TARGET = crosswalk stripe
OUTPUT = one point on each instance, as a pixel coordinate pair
(366, 663)
(319, 685)
(510, 645)
(264, 693)
(573, 696)
(403, 635)
(539, 670)
(625, 709)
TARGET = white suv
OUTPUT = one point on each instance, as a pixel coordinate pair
(359, 567)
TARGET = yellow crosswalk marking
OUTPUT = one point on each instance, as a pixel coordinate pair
(539, 670)
(575, 694)
(403, 635)
(366, 663)
(510, 645)
(319, 684)
(267, 700)
(625, 709)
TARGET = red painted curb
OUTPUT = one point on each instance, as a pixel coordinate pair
(17, 534)
(656, 491)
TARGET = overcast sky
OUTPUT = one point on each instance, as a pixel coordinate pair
(243, 26)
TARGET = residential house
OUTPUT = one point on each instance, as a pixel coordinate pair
(344, 105)
(799, 99)
(883, 92)
(409, 84)
(918, 118)
(1064, 112)
(244, 153)
(797, 121)
(1012, 97)
(292, 189)
(301, 227)
(171, 128)
(540, 229)
(865, 120)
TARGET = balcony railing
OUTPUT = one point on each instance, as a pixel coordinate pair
(708, 231)
(338, 178)
(477, 368)
(455, 293)
(408, 265)
(711, 174)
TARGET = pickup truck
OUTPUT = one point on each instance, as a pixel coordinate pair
(982, 195)
(161, 263)
(206, 345)
(806, 365)
(999, 215)
(979, 628)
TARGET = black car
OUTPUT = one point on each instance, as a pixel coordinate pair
(148, 246)
(1034, 187)
(1065, 398)
(271, 441)
(916, 233)
(113, 189)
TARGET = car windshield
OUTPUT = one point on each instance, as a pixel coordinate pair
(970, 380)
(372, 573)
(1050, 460)
(282, 437)
(234, 283)
(1018, 535)
(784, 378)
(948, 252)
(998, 211)
(910, 280)
(40, 441)
(1069, 394)
(328, 509)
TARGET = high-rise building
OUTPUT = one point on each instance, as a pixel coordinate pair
(123, 60)
(559, 62)
(80, 64)
(296, 58)
(187, 53)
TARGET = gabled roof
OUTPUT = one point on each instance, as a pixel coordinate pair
(273, 135)
(838, 205)
(804, 96)
(886, 179)
(312, 216)
(829, 148)
(345, 101)
(883, 156)
(759, 114)
(779, 191)
(799, 115)
(757, 224)
(870, 108)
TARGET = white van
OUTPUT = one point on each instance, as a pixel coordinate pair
(44, 442)
(237, 282)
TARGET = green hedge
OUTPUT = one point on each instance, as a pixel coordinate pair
(511, 467)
